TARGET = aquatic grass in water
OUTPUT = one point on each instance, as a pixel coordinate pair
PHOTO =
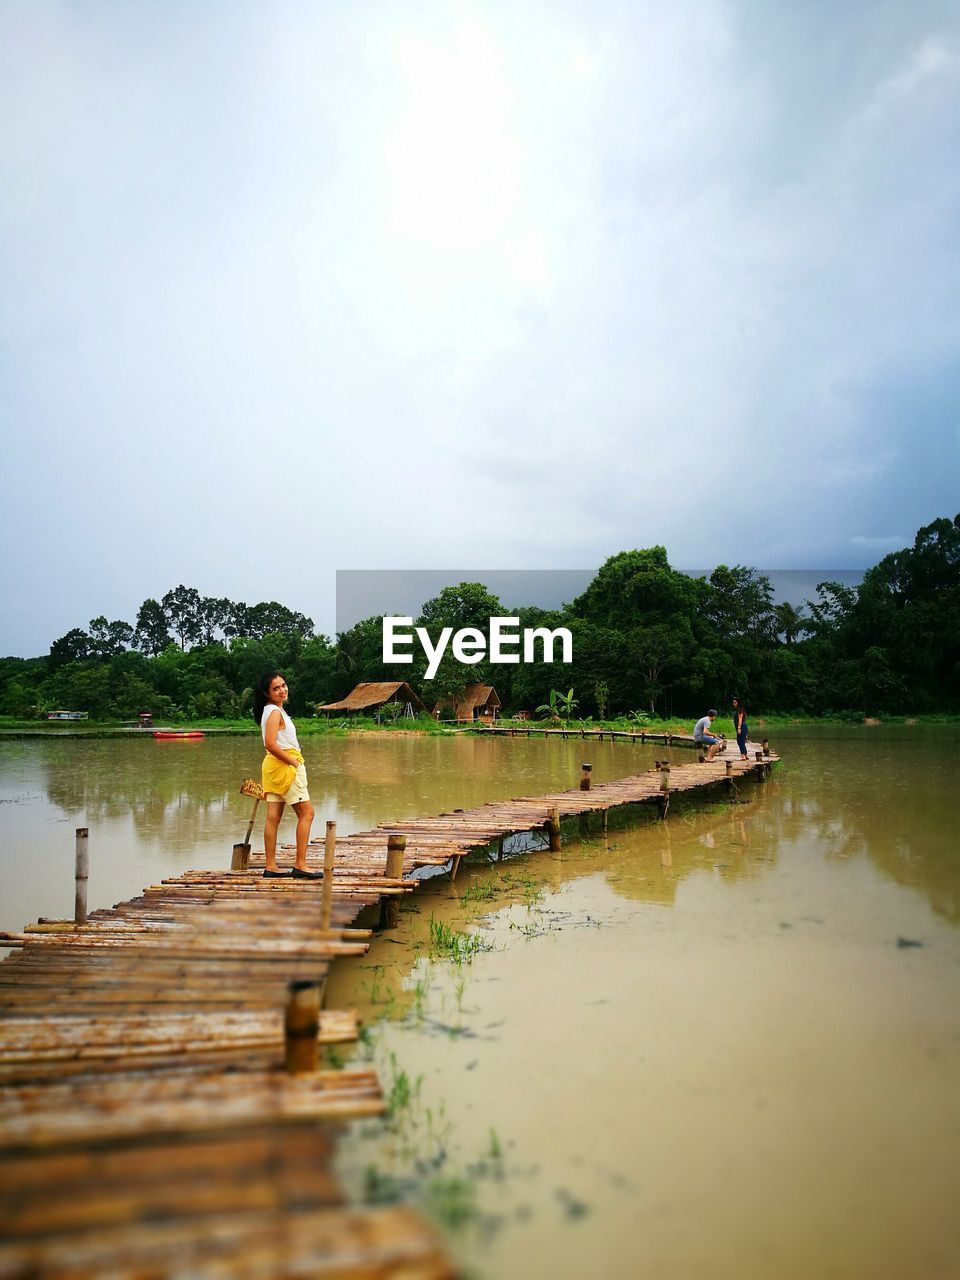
(479, 891)
(454, 945)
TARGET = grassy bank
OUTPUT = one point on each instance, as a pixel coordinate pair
(311, 727)
(10, 726)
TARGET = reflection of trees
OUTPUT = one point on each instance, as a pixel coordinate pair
(177, 794)
(884, 795)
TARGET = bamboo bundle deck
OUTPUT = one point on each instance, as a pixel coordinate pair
(362, 1244)
(58, 1114)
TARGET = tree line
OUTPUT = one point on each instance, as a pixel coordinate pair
(645, 637)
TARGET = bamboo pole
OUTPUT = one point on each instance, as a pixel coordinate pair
(665, 776)
(553, 829)
(389, 905)
(329, 856)
(301, 1027)
(81, 874)
(766, 746)
(585, 776)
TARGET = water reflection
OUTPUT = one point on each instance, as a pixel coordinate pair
(843, 793)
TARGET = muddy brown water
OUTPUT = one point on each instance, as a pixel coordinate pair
(724, 1045)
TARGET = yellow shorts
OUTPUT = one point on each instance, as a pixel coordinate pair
(296, 791)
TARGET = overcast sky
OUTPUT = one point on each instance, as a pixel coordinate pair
(287, 288)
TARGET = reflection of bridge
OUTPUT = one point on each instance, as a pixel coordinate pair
(146, 1121)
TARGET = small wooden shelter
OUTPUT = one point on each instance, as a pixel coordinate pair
(371, 696)
(477, 702)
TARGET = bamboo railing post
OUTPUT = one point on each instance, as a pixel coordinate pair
(301, 1025)
(766, 746)
(390, 902)
(81, 874)
(329, 857)
(553, 829)
(665, 776)
(728, 773)
(585, 776)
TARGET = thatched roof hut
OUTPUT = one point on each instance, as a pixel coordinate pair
(372, 695)
(477, 702)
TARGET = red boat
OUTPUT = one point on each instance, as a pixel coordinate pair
(174, 735)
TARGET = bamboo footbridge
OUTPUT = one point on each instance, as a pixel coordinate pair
(162, 1110)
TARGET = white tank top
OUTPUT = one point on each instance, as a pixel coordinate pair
(287, 735)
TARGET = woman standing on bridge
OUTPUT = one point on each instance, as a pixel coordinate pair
(740, 725)
(283, 773)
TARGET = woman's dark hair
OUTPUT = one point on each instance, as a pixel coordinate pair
(261, 695)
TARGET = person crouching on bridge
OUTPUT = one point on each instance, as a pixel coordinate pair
(284, 775)
(704, 738)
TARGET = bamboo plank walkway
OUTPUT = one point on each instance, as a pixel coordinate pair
(147, 1126)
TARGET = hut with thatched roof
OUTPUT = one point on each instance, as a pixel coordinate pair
(371, 696)
(477, 702)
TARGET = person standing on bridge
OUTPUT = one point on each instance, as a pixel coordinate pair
(284, 775)
(704, 738)
(740, 725)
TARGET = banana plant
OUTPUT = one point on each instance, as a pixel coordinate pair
(560, 707)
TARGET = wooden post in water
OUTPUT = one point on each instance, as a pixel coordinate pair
(553, 829)
(301, 1024)
(766, 746)
(390, 902)
(329, 857)
(729, 777)
(663, 799)
(81, 873)
(585, 776)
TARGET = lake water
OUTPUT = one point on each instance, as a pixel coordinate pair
(723, 1045)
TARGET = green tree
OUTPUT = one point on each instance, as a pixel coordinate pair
(109, 638)
(270, 618)
(790, 622)
(181, 606)
(72, 647)
(151, 634)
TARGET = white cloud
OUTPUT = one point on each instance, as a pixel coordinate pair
(475, 282)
